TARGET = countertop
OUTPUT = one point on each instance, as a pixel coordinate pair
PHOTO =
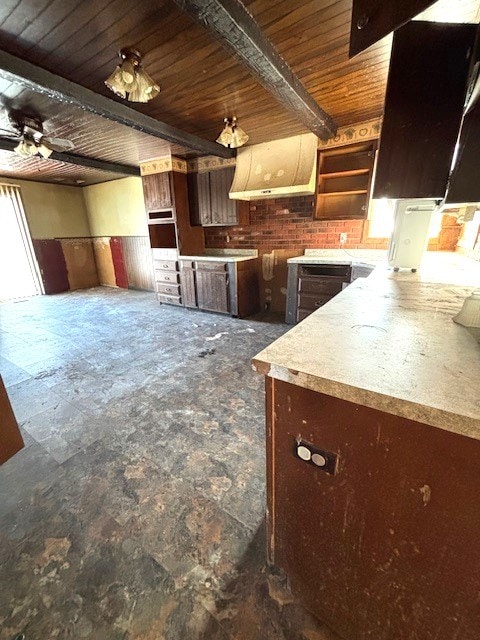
(388, 342)
(225, 258)
(341, 256)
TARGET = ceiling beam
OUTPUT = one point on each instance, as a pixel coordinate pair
(81, 161)
(13, 69)
(239, 33)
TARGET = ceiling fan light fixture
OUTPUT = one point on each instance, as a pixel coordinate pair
(26, 149)
(129, 80)
(44, 151)
(232, 135)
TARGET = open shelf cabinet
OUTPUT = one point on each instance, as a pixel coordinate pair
(344, 180)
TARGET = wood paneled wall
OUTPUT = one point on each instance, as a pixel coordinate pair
(138, 262)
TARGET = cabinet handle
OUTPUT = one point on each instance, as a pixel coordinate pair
(318, 304)
(165, 266)
(166, 277)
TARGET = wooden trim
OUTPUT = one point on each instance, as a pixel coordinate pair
(360, 132)
(82, 161)
(13, 69)
(239, 33)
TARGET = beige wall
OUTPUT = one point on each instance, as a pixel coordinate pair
(53, 210)
(116, 208)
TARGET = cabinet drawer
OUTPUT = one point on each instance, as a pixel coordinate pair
(211, 266)
(165, 265)
(312, 301)
(320, 285)
(303, 313)
(168, 289)
(186, 264)
(326, 270)
(169, 299)
(167, 276)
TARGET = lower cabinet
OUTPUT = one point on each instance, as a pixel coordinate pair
(310, 286)
(212, 289)
(377, 532)
(167, 281)
(223, 287)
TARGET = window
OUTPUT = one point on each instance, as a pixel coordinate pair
(381, 215)
(19, 273)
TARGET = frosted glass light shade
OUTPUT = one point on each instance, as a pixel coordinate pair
(130, 81)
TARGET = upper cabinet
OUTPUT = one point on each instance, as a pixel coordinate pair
(344, 179)
(426, 91)
(157, 191)
(208, 198)
(372, 20)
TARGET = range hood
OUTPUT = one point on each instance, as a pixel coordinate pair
(276, 169)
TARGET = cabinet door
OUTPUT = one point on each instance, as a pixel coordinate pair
(426, 89)
(372, 20)
(224, 210)
(212, 291)
(187, 280)
(157, 192)
(11, 439)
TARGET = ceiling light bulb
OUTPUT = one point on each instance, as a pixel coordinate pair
(232, 135)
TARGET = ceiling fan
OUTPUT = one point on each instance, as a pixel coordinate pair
(28, 130)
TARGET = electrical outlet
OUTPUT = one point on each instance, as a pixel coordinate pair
(343, 238)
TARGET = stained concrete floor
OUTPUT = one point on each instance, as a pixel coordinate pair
(136, 510)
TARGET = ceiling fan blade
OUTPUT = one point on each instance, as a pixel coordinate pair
(57, 144)
(8, 133)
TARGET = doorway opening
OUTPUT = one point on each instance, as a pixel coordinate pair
(19, 271)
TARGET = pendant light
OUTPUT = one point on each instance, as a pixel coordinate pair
(130, 80)
(232, 135)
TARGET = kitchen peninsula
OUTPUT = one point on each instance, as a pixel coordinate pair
(373, 453)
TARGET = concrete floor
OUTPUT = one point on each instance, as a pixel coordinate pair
(136, 509)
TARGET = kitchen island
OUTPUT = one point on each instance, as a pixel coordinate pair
(373, 454)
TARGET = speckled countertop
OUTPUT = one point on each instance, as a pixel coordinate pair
(341, 256)
(224, 258)
(224, 255)
(388, 342)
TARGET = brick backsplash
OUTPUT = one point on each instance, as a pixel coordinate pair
(287, 223)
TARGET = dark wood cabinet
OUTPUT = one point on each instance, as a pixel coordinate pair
(424, 102)
(212, 289)
(187, 279)
(208, 198)
(11, 440)
(344, 180)
(372, 20)
(310, 286)
(384, 547)
(157, 191)
(223, 287)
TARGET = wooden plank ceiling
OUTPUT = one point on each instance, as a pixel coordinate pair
(200, 83)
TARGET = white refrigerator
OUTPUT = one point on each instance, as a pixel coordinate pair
(410, 233)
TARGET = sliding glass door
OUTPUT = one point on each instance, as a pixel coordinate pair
(19, 273)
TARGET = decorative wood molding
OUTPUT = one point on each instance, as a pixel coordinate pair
(239, 33)
(162, 165)
(18, 71)
(355, 133)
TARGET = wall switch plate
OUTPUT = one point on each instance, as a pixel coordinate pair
(343, 238)
(319, 458)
